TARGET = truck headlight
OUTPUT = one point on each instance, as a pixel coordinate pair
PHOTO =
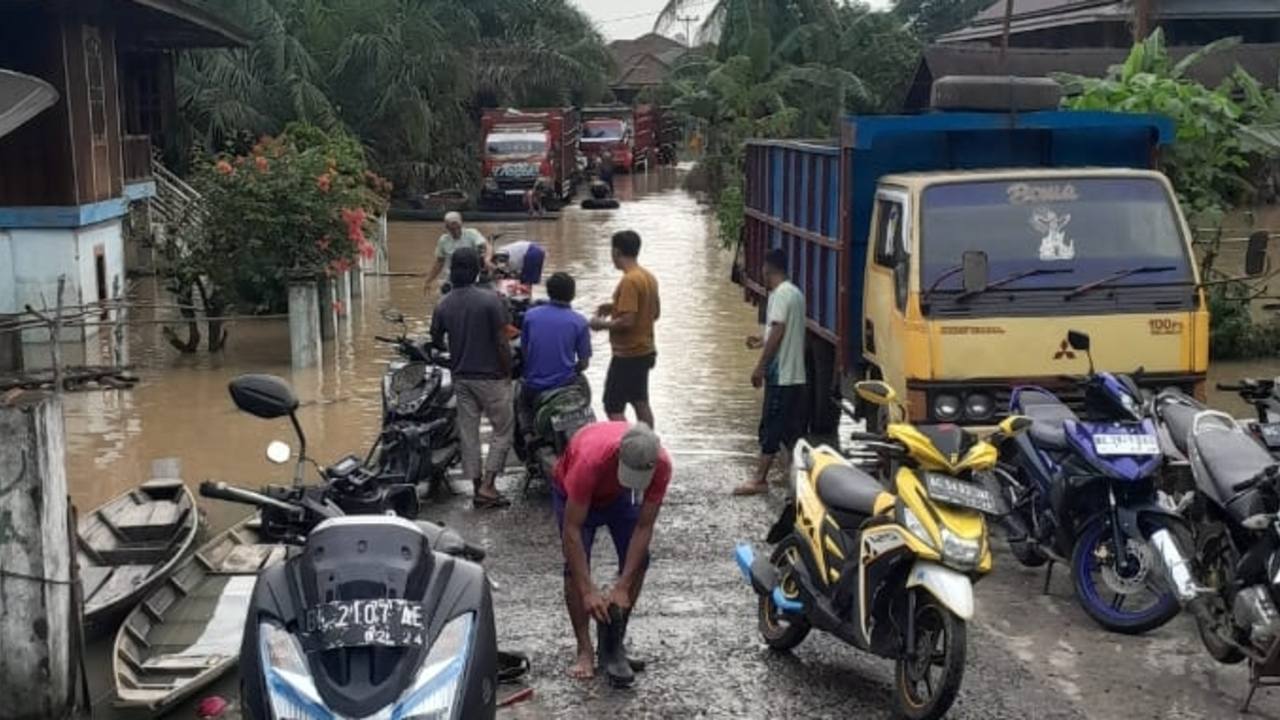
(435, 691)
(961, 553)
(978, 406)
(946, 407)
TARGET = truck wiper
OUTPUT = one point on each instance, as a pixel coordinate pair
(1010, 279)
(1122, 274)
(948, 273)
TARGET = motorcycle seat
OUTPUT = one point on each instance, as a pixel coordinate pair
(1178, 414)
(1230, 454)
(1049, 416)
(847, 488)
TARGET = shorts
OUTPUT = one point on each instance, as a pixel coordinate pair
(782, 418)
(627, 382)
(620, 516)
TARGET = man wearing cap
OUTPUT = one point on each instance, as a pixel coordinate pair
(454, 237)
(613, 475)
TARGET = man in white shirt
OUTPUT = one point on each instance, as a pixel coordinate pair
(780, 370)
(454, 237)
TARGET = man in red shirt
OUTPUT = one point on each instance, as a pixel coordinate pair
(613, 474)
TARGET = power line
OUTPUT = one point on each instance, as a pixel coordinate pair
(651, 13)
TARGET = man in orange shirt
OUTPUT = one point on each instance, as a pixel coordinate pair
(629, 320)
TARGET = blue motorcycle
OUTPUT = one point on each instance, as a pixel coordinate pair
(1082, 492)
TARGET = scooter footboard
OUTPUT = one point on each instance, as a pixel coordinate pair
(952, 589)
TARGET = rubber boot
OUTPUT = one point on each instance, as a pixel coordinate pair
(611, 652)
(637, 665)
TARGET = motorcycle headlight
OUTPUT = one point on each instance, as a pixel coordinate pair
(915, 527)
(436, 689)
(291, 692)
(961, 553)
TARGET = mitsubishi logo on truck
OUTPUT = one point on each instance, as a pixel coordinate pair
(1064, 351)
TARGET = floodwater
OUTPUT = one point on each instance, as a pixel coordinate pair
(700, 389)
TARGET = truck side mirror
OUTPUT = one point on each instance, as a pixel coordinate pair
(1255, 258)
(975, 271)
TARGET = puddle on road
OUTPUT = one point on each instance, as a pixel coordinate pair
(700, 387)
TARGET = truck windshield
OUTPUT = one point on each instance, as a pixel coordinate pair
(500, 144)
(603, 130)
(1083, 229)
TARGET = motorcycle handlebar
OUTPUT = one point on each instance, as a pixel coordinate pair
(218, 490)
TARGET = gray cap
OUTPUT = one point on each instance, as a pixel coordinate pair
(638, 457)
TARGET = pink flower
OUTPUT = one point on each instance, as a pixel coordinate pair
(323, 243)
(324, 181)
(260, 163)
(224, 167)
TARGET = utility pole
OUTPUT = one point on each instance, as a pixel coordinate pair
(688, 21)
(1142, 15)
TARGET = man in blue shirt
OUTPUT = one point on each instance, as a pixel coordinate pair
(556, 342)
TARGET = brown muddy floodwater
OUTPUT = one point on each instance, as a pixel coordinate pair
(701, 394)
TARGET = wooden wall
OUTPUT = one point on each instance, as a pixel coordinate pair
(71, 153)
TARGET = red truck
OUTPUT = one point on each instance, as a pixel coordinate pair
(527, 148)
(630, 134)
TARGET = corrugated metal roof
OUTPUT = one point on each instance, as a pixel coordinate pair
(1031, 15)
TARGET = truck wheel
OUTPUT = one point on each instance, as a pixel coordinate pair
(824, 414)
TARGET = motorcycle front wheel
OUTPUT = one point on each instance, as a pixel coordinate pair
(782, 631)
(928, 677)
(1126, 596)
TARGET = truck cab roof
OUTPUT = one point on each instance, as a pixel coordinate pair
(919, 180)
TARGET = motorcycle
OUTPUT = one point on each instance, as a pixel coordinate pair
(544, 431)
(1264, 396)
(888, 568)
(1083, 492)
(419, 435)
(370, 616)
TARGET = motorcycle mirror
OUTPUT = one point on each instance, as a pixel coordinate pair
(1078, 340)
(876, 392)
(1255, 258)
(264, 396)
(279, 452)
(1015, 425)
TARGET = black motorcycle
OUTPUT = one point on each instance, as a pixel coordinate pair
(370, 616)
(419, 435)
(544, 430)
(1264, 396)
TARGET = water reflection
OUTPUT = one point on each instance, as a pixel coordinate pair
(700, 389)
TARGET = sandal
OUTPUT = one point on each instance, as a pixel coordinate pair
(485, 502)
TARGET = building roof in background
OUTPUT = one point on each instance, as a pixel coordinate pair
(1031, 15)
(941, 60)
(644, 61)
(170, 24)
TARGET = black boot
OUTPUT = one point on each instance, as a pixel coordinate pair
(611, 651)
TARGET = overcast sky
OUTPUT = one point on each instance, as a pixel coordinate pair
(621, 19)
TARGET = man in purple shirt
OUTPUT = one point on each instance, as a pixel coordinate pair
(556, 342)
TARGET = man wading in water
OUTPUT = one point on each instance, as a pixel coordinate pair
(629, 320)
(613, 475)
(456, 237)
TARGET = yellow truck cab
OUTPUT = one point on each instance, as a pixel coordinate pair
(975, 278)
(949, 253)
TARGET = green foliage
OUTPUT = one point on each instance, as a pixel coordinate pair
(406, 77)
(1234, 334)
(1209, 162)
(783, 69)
(296, 205)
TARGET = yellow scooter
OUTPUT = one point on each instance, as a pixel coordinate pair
(886, 567)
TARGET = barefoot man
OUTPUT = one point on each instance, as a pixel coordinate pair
(612, 475)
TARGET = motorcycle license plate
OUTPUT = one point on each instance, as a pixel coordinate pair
(572, 421)
(364, 623)
(954, 491)
(1126, 444)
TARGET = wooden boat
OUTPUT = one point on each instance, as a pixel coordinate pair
(130, 544)
(186, 633)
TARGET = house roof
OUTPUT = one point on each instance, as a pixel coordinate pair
(1031, 15)
(172, 24)
(1261, 61)
(643, 70)
(649, 44)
